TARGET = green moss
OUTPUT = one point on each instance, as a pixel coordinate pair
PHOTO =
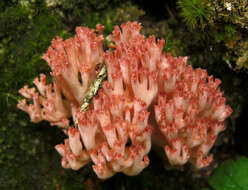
(113, 16)
(234, 11)
(224, 23)
(26, 33)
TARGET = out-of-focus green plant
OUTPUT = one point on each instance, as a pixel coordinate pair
(194, 12)
(91, 12)
(172, 45)
(125, 12)
(231, 175)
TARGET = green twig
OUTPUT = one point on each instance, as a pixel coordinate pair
(95, 86)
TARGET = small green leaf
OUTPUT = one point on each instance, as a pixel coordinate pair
(231, 175)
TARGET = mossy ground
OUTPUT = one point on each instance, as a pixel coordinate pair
(27, 156)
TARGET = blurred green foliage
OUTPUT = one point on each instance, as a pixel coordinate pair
(231, 175)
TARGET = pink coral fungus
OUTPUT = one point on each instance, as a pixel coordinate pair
(115, 132)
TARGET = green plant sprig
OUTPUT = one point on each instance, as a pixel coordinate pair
(94, 87)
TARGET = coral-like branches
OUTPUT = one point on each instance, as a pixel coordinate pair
(115, 131)
(47, 105)
(190, 112)
(74, 58)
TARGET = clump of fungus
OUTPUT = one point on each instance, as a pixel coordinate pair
(114, 130)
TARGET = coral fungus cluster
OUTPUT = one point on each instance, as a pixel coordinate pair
(146, 92)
